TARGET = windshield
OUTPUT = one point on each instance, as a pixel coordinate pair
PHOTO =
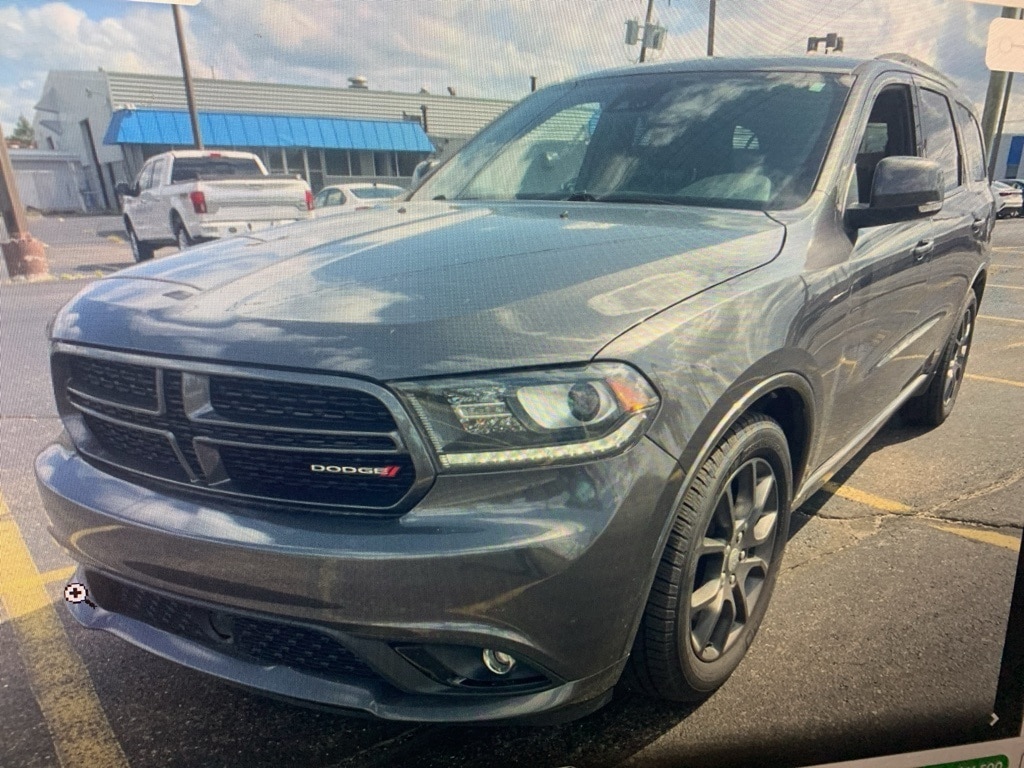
(191, 168)
(740, 140)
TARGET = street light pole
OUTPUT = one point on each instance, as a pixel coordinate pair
(711, 29)
(647, 24)
(186, 72)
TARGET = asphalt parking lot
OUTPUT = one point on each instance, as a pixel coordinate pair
(885, 631)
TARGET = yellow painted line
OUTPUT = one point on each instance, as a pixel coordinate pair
(994, 380)
(985, 537)
(1005, 248)
(81, 733)
(1000, 285)
(998, 319)
(863, 497)
(57, 574)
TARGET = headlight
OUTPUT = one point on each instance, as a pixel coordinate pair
(539, 417)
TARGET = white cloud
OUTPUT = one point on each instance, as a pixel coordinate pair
(480, 47)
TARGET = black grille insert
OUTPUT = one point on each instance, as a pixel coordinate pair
(276, 403)
(229, 436)
(122, 383)
(260, 641)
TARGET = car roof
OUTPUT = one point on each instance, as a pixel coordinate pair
(820, 64)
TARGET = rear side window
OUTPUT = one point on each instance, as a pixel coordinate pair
(974, 148)
(940, 136)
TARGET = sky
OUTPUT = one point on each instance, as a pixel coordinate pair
(483, 48)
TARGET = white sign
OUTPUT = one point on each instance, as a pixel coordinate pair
(1005, 50)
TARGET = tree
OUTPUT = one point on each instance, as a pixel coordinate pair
(23, 132)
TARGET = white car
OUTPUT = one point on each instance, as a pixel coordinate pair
(1009, 198)
(341, 198)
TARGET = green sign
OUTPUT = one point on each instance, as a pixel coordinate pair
(996, 761)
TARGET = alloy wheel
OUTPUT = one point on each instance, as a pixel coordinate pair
(734, 559)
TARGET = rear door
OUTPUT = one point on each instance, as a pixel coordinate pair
(963, 226)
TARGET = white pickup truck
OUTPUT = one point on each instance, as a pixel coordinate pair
(187, 196)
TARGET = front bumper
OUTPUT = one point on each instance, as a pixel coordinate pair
(551, 565)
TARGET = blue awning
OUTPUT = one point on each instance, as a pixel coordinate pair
(228, 129)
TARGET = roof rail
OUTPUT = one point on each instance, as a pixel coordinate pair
(910, 61)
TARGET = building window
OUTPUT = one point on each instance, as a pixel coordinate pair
(384, 164)
(362, 163)
(276, 160)
(407, 162)
(336, 162)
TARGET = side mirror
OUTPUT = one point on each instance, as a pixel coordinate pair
(903, 188)
(124, 189)
(423, 169)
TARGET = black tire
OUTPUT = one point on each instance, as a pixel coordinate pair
(181, 236)
(141, 250)
(933, 406)
(686, 646)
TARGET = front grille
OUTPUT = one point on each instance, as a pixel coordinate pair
(261, 439)
(122, 383)
(297, 405)
(260, 641)
(291, 475)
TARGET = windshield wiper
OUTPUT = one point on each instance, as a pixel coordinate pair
(637, 197)
(581, 197)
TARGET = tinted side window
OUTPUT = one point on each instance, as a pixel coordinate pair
(940, 136)
(889, 132)
(974, 148)
(146, 177)
(159, 171)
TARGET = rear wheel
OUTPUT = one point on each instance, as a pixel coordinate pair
(141, 250)
(182, 236)
(936, 403)
(719, 566)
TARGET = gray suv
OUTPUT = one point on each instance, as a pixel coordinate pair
(540, 427)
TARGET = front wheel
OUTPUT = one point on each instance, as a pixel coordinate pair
(933, 407)
(719, 566)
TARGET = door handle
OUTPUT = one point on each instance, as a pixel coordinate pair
(978, 227)
(922, 249)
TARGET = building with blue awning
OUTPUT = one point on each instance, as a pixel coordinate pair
(114, 121)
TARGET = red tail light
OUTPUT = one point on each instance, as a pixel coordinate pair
(198, 201)
(309, 200)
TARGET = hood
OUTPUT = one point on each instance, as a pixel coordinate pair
(423, 289)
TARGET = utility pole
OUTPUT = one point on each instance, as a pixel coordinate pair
(993, 99)
(647, 24)
(711, 29)
(186, 72)
(24, 255)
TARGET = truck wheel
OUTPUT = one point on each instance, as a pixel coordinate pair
(141, 250)
(719, 566)
(182, 237)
